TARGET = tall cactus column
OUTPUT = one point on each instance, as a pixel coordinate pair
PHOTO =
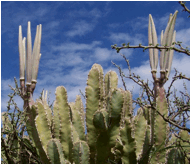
(94, 102)
(166, 57)
(29, 62)
(62, 122)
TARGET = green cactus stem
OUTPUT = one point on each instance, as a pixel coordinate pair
(94, 95)
(140, 126)
(160, 126)
(33, 134)
(62, 109)
(129, 144)
(54, 152)
(78, 117)
(81, 152)
(101, 120)
(116, 104)
(43, 128)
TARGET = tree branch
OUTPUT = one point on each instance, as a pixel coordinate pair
(182, 3)
(181, 50)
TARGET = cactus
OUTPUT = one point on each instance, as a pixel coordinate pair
(122, 137)
(114, 134)
(59, 134)
(166, 56)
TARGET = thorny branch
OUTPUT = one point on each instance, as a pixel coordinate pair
(181, 107)
(14, 132)
(127, 46)
(182, 3)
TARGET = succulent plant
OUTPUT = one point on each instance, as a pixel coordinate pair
(114, 133)
(111, 127)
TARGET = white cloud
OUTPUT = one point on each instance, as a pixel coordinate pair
(181, 63)
(52, 25)
(162, 22)
(5, 83)
(73, 46)
(183, 36)
(96, 13)
(104, 54)
(93, 13)
(80, 28)
(120, 38)
(140, 23)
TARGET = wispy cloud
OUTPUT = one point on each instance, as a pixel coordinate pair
(183, 36)
(72, 46)
(80, 28)
(94, 13)
(120, 38)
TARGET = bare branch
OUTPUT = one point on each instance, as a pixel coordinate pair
(182, 3)
(181, 50)
(121, 74)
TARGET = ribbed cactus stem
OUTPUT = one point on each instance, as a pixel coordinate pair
(101, 120)
(129, 145)
(110, 81)
(78, 117)
(46, 107)
(160, 126)
(42, 125)
(140, 125)
(81, 152)
(94, 95)
(54, 152)
(63, 119)
(116, 104)
(33, 132)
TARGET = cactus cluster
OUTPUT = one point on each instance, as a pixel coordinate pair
(107, 131)
(114, 134)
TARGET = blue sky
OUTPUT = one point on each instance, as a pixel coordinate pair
(75, 35)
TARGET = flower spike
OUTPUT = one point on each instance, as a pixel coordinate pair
(21, 55)
(29, 55)
(167, 41)
(152, 37)
(29, 59)
(36, 53)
